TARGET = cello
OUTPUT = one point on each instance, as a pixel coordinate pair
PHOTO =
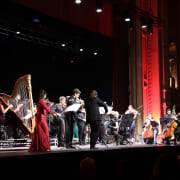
(148, 131)
(171, 126)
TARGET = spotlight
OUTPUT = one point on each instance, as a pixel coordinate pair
(143, 23)
(18, 32)
(127, 19)
(63, 45)
(36, 20)
(95, 53)
(78, 1)
(98, 6)
(127, 16)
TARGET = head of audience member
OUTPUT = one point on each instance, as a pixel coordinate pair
(166, 166)
(87, 168)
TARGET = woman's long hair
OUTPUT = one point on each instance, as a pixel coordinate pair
(42, 93)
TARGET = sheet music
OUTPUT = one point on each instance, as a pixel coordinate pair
(102, 110)
(73, 107)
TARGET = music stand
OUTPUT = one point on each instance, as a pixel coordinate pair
(125, 126)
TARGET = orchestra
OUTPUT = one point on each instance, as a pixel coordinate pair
(67, 113)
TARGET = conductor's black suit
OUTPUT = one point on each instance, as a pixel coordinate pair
(94, 118)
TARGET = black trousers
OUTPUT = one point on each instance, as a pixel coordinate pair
(95, 132)
(82, 131)
(70, 118)
(61, 131)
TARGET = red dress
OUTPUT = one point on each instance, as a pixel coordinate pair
(40, 137)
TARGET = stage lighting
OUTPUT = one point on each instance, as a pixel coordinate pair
(127, 16)
(127, 19)
(36, 20)
(98, 6)
(143, 23)
(78, 1)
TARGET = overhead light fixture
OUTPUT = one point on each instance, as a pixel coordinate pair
(127, 19)
(78, 1)
(143, 23)
(36, 20)
(98, 6)
(127, 16)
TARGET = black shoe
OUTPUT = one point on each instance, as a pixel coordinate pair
(61, 145)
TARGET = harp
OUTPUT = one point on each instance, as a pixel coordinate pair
(22, 101)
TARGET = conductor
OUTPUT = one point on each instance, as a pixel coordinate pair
(93, 116)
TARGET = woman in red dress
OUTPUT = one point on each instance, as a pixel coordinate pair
(40, 137)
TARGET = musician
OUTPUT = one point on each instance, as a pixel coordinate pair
(112, 127)
(40, 137)
(81, 122)
(155, 126)
(150, 121)
(59, 120)
(71, 117)
(13, 130)
(93, 116)
(146, 124)
(3, 118)
(131, 110)
(168, 131)
(168, 113)
(3, 112)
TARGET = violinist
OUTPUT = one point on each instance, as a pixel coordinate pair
(71, 117)
(59, 120)
(131, 110)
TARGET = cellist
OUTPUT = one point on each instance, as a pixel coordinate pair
(145, 126)
(151, 129)
(168, 131)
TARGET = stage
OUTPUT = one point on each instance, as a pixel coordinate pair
(135, 160)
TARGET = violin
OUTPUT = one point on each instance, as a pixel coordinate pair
(80, 101)
(64, 106)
